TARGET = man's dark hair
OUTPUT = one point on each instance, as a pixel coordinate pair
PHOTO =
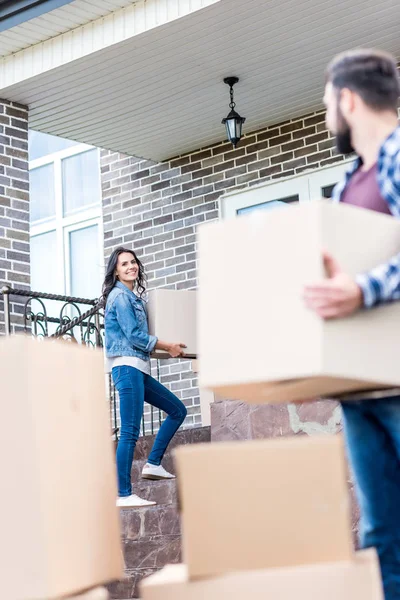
(370, 73)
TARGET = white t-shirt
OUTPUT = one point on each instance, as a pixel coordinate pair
(128, 361)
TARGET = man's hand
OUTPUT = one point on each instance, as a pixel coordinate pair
(336, 297)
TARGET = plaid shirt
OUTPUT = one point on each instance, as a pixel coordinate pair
(381, 284)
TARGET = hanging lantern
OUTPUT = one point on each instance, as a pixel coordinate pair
(233, 122)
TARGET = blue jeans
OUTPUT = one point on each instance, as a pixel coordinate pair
(134, 388)
(372, 431)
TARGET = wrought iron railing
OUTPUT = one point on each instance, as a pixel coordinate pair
(75, 325)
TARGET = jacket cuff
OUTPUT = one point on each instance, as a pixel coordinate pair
(366, 284)
(152, 343)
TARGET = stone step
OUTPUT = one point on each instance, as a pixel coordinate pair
(162, 492)
(138, 464)
(194, 435)
(151, 538)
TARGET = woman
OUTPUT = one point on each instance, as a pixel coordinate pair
(128, 349)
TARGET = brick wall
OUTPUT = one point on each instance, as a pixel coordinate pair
(14, 205)
(155, 208)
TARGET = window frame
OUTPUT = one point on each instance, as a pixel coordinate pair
(67, 248)
(305, 185)
(64, 225)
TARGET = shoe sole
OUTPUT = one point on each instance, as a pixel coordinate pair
(157, 478)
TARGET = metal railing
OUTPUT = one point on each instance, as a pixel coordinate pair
(75, 325)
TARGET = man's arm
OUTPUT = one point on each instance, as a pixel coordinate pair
(381, 284)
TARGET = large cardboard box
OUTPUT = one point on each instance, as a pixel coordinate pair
(172, 318)
(263, 504)
(207, 397)
(257, 340)
(355, 580)
(99, 593)
(58, 518)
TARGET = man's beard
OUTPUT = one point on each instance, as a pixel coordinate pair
(343, 136)
(343, 142)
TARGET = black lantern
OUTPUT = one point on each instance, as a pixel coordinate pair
(233, 121)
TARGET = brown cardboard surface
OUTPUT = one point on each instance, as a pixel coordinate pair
(172, 318)
(258, 341)
(263, 504)
(355, 580)
(206, 399)
(58, 520)
(99, 593)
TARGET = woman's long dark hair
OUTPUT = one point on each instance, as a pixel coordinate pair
(110, 279)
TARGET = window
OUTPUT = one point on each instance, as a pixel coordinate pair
(282, 202)
(43, 144)
(265, 197)
(66, 224)
(80, 181)
(42, 193)
(303, 188)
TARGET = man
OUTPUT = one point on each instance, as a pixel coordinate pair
(361, 98)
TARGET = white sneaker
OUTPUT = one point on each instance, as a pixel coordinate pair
(133, 501)
(154, 472)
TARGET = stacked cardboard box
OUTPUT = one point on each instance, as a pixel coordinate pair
(207, 397)
(99, 593)
(270, 519)
(356, 580)
(259, 342)
(266, 517)
(172, 318)
(59, 523)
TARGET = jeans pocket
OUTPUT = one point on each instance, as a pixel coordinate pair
(119, 374)
(116, 374)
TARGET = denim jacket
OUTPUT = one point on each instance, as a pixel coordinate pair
(125, 324)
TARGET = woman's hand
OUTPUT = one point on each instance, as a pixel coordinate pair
(176, 350)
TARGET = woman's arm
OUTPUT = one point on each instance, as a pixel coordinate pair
(174, 350)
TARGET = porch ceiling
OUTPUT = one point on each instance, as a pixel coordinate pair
(160, 93)
(55, 22)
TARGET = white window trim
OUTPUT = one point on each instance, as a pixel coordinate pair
(60, 155)
(67, 248)
(306, 185)
(64, 225)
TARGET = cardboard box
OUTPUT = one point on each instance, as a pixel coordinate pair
(263, 504)
(356, 580)
(99, 593)
(257, 340)
(172, 318)
(59, 523)
(206, 399)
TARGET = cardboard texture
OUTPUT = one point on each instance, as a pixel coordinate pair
(206, 399)
(270, 503)
(99, 593)
(172, 318)
(356, 580)
(259, 342)
(58, 520)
